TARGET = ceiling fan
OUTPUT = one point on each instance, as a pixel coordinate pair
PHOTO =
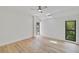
(41, 10)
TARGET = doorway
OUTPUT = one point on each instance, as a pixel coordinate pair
(37, 28)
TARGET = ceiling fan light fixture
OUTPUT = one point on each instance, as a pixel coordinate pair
(39, 10)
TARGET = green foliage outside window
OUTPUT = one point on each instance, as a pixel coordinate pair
(70, 25)
(71, 35)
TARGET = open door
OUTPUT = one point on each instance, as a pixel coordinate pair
(70, 30)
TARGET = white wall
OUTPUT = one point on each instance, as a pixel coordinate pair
(77, 34)
(55, 28)
(14, 25)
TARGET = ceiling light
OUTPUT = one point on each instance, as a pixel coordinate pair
(39, 10)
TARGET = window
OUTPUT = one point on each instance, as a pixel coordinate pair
(70, 30)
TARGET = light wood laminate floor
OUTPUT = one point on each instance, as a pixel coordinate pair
(40, 45)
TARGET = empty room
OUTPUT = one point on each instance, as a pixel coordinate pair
(39, 29)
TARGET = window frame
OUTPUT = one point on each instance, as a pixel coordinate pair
(70, 30)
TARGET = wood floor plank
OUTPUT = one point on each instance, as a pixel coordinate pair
(40, 45)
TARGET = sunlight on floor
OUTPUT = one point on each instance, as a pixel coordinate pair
(54, 42)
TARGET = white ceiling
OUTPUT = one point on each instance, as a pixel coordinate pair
(54, 11)
(63, 10)
(57, 11)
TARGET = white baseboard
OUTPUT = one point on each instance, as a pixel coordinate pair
(13, 41)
